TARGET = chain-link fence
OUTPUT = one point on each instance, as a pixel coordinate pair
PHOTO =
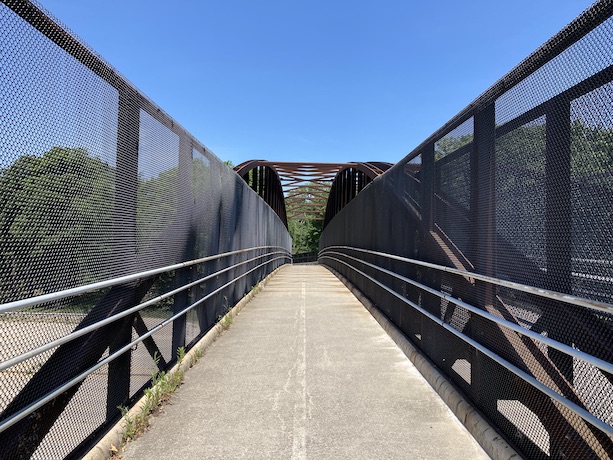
(122, 238)
(491, 246)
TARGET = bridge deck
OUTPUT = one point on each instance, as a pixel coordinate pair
(305, 372)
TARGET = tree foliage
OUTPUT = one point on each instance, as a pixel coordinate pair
(57, 210)
(156, 205)
(55, 221)
(305, 235)
(450, 144)
(305, 230)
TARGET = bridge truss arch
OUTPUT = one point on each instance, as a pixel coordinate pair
(309, 191)
(349, 182)
(263, 178)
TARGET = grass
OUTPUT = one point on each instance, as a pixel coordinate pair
(226, 322)
(198, 353)
(162, 387)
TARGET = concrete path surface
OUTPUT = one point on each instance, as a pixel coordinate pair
(305, 372)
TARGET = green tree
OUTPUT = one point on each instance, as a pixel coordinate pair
(449, 144)
(305, 235)
(309, 207)
(156, 207)
(55, 222)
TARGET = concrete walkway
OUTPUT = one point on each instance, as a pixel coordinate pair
(305, 372)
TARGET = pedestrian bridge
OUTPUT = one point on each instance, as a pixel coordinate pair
(305, 372)
(486, 254)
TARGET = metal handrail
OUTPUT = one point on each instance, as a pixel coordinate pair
(578, 410)
(597, 362)
(31, 301)
(546, 293)
(92, 327)
(7, 423)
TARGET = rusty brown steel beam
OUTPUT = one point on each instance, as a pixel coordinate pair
(316, 179)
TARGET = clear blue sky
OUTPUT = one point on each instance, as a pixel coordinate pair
(314, 80)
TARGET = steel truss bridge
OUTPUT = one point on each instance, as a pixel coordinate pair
(123, 238)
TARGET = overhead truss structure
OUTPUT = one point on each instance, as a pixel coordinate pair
(307, 187)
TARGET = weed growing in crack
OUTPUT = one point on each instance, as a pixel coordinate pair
(226, 322)
(162, 387)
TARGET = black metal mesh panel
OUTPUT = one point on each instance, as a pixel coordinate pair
(453, 183)
(517, 188)
(520, 203)
(457, 138)
(192, 329)
(591, 182)
(157, 197)
(84, 414)
(142, 364)
(413, 183)
(453, 186)
(583, 59)
(63, 139)
(96, 182)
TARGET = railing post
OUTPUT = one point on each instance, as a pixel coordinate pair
(427, 185)
(558, 221)
(483, 224)
(268, 191)
(183, 277)
(254, 179)
(483, 190)
(126, 184)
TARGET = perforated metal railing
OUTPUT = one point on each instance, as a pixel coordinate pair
(381, 278)
(159, 326)
(491, 246)
(122, 238)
